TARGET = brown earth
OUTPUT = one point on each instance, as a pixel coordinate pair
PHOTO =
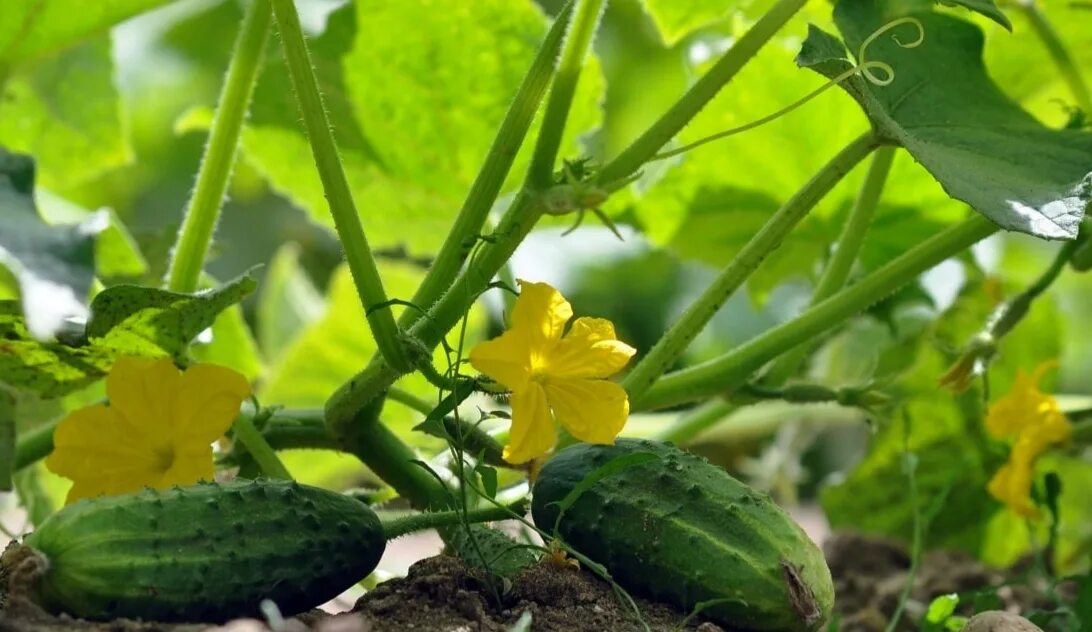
(441, 593)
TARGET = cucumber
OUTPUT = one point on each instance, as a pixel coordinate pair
(681, 530)
(207, 552)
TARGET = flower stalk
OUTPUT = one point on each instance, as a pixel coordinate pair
(203, 212)
(350, 230)
(769, 237)
(731, 370)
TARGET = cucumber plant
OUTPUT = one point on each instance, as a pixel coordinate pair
(383, 141)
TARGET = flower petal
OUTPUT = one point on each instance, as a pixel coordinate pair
(122, 481)
(143, 392)
(533, 432)
(191, 464)
(506, 359)
(589, 350)
(207, 404)
(91, 442)
(594, 411)
(540, 314)
(1012, 486)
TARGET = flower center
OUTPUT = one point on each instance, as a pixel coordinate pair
(164, 458)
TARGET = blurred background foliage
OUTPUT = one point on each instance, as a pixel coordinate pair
(116, 118)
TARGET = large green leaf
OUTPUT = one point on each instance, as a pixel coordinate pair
(48, 369)
(66, 112)
(288, 302)
(677, 19)
(987, 8)
(54, 265)
(414, 114)
(941, 106)
(136, 320)
(33, 28)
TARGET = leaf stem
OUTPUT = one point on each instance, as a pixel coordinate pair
(358, 254)
(664, 129)
(575, 50)
(1058, 52)
(483, 193)
(766, 240)
(734, 368)
(402, 525)
(258, 447)
(837, 271)
(188, 257)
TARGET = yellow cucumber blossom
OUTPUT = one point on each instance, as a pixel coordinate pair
(548, 370)
(1036, 422)
(156, 431)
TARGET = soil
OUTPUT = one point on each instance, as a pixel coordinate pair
(441, 593)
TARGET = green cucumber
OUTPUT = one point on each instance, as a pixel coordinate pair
(207, 552)
(679, 529)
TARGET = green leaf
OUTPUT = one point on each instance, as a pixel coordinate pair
(32, 28)
(941, 106)
(66, 112)
(136, 320)
(54, 265)
(49, 369)
(232, 345)
(117, 254)
(7, 439)
(677, 19)
(288, 302)
(987, 8)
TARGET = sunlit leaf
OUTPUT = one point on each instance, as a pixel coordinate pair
(54, 265)
(232, 345)
(117, 254)
(32, 28)
(944, 109)
(49, 369)
(66, 111)
(676, 19)
(130, 319)
(287, 303)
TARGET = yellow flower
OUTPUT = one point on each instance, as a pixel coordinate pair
(548, 371)
(1036, 422)
(156, 431)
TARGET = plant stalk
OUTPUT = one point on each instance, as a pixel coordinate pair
(729, 371)
(577, 43)
(402, 525)
(769, 238)
(686, 108)
(837, 271)
(188, 257)
(259, 448)
(350, 231)
(487, 185)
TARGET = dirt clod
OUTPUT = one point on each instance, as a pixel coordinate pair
(999, 621)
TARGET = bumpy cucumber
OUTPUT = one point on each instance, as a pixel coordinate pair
(681, 530)
(207, 552)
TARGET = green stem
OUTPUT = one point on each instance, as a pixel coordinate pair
(836, 273)
(35, 444)
(734, 368)
(768, 238)
(188, 258)
(1059, 53)
(395, 463)
(577, 42)
(663, 130)
(350, 231)
(259, 448)
(483, 193)
(399, 526)
(366, 387)
(696, 421)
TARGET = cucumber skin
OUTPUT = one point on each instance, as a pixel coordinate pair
(681, 530)
(208, 552)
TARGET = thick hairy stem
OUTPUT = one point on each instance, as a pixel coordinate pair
(729, 371)
(768, 238)
(350, 231)
(188, 257)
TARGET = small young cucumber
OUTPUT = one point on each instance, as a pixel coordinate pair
(679, 529)
(207, 552)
